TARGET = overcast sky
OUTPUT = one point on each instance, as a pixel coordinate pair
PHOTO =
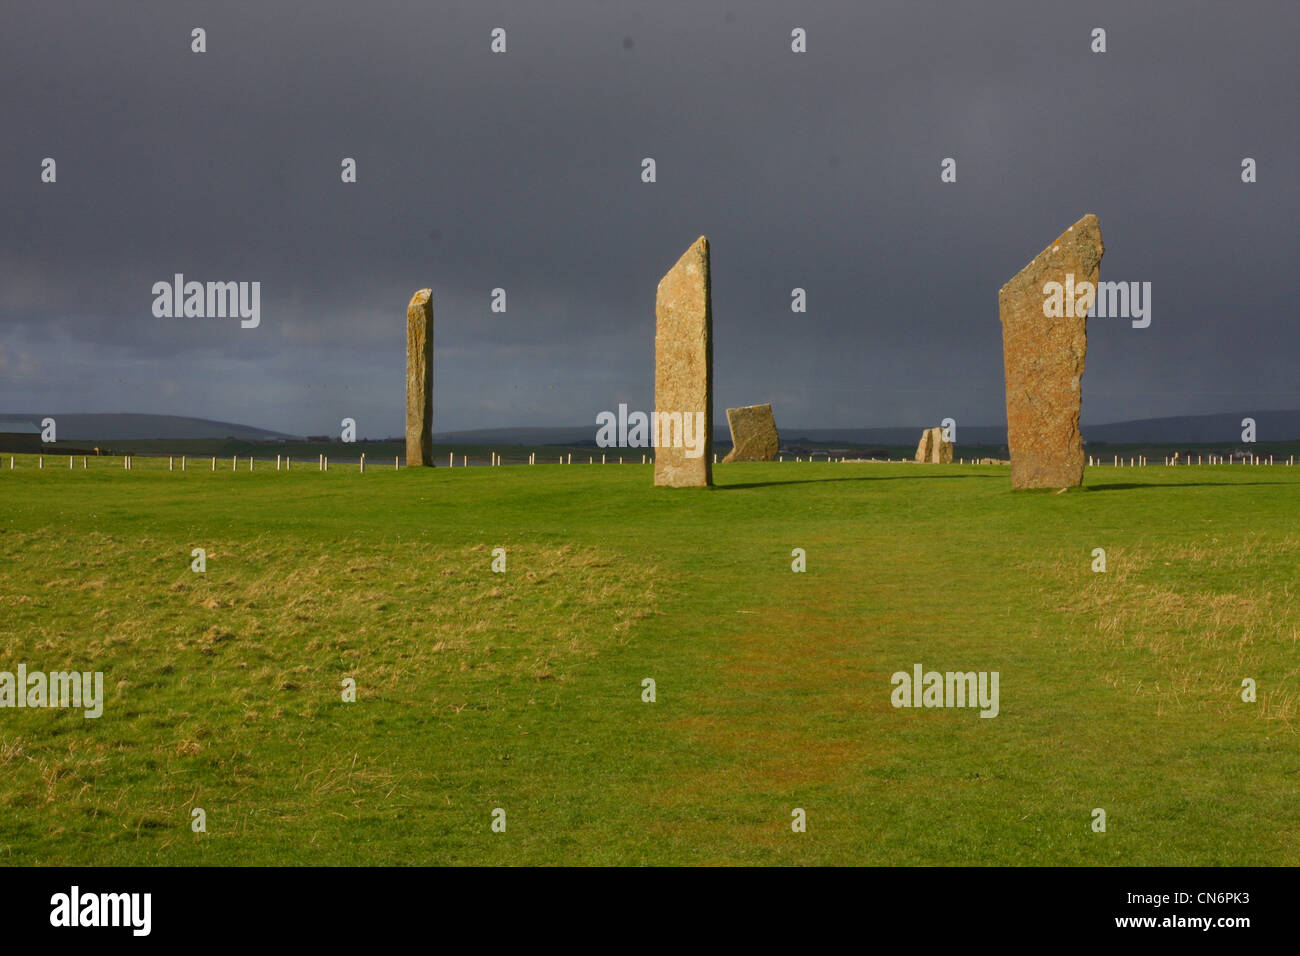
(522, 171)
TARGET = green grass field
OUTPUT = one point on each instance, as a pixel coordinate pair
(523, 690)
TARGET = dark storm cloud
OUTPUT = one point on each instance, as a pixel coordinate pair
(522, 170)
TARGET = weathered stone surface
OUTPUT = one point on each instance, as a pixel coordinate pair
(925, 447)
(684, 367)
(942, 449)
(419, 379)
(1043, 358)
(753, 434)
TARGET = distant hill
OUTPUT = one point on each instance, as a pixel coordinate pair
(126, 426)
(1271, 426)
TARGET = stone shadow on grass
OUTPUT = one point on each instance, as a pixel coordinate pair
(1125, 486)
(812, 481)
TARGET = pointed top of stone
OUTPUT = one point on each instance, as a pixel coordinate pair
(1082, 242)
(420, 298)
(693, 260)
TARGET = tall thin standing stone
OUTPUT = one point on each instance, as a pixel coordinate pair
(684, 370)
(419, 379)
(1043, 356)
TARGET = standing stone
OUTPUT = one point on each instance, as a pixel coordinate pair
(1043, 358)
(419, 379)
(753, 434)
(933, 449)
(684, 368)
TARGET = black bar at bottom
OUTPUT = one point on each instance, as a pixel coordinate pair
(352, 906)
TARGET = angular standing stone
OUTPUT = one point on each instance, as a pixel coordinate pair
(1043, 358)
(753, 434)
(419, 379)
(684, 367)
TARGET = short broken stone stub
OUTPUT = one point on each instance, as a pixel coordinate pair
(753, 434)
(684, 372)
(1043, 358)
(419, 379)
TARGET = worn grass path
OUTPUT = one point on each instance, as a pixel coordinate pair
(523, 690)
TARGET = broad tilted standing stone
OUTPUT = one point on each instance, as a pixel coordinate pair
(419, 379)
(753, 434)
(684, 370)
(1043, 357)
